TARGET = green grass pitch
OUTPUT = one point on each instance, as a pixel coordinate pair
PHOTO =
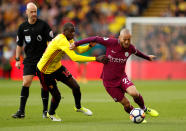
(168, 97)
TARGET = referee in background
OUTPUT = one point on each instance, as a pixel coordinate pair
(35, 34)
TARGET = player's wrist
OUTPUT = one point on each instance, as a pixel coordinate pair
(76, 44)
(17, 59)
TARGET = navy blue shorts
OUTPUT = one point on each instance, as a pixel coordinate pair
(49, 80)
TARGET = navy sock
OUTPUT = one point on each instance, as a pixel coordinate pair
(77, 98)
(129, 109)
(45, 96)
(139, 100)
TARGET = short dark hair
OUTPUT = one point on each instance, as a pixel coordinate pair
(67, 26)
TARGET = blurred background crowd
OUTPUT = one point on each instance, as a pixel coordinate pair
(167, 41)
(95, 17)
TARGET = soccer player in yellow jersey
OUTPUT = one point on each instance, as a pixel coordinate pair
(50, 69)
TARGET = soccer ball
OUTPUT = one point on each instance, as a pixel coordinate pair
(137, 115)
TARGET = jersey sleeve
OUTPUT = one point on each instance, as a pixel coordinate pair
(75, 57)
(101, 40)
(133, 49)
(82, 49)
(49, 33)
(64, 46)
(139, 53)
(20, 37)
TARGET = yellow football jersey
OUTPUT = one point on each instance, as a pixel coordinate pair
(57, 48)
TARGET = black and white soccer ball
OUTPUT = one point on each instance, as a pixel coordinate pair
(137, 115)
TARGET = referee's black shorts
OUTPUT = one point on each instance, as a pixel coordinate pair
(29, 69)
(49, 80)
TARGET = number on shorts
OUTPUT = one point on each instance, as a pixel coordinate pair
(125, 80)
(66, 73)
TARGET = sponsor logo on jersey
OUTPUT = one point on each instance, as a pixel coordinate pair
(116, 60)
(28, 39)
(39, 38)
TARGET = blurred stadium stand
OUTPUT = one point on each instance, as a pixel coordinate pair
(156, 8)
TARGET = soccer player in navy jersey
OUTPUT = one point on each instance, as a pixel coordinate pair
(113, 75)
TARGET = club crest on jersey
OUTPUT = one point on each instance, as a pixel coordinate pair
(126, 54)
(28, 39)
(39, 38)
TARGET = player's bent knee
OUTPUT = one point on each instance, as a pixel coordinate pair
(134, 93)
(57, 98)
(76, 88)
(27, 83)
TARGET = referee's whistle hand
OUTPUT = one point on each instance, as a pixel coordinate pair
(17, 64)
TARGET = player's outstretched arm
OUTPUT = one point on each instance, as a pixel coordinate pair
(144, 56)
(82, 49)
(73, 46)
(75, 57)
(101, 40)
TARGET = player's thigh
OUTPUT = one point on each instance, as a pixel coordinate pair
(50, 84)
(46, 80)
(72, 83)
(116, 93)
(65, 76)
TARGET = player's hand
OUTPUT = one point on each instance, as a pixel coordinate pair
(72, 46)
(17, 64)
(102, 59)
(92, 44)
(152, 57)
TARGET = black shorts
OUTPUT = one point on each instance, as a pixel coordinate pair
(29, 69)
(49, 80)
